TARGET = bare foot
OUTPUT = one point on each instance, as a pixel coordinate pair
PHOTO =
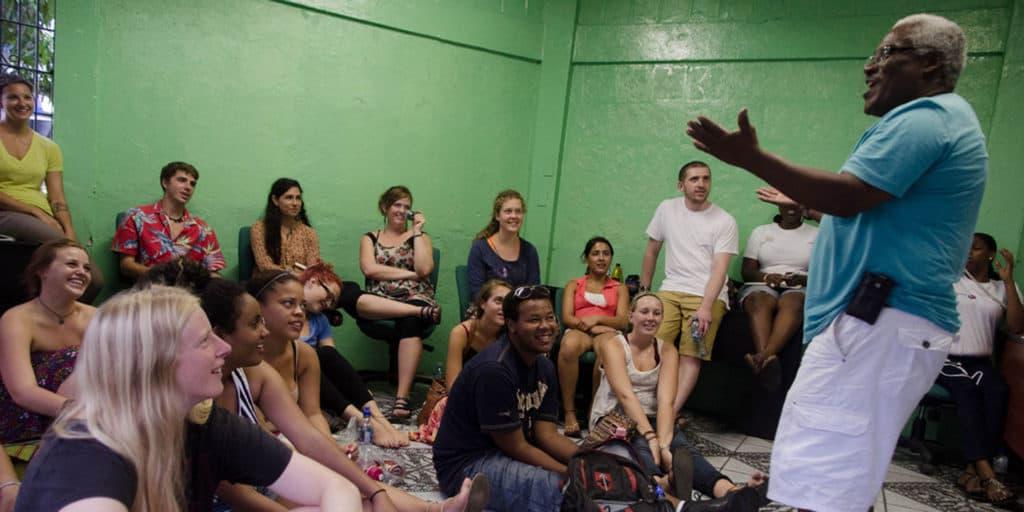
(757, 479)
(472, 497)
(386, 435)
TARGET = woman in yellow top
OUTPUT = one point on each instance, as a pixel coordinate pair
(27, 159)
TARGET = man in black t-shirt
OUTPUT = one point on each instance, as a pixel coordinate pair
(501, 413)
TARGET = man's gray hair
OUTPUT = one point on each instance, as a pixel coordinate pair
(941, 35)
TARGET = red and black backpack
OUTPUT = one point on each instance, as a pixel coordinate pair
(601, 482)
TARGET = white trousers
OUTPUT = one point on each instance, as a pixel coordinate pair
(856, 387)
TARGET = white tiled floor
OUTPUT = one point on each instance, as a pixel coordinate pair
(738, 456)
(901, 481)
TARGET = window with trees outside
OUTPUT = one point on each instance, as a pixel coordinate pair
(26, 41)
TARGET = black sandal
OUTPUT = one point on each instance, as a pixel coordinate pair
(431, 314)
(401, 411)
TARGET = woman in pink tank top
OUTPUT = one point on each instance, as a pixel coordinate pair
(593, 305)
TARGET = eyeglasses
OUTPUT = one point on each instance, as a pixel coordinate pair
(531, 292)
(328, 301)
(882, 54)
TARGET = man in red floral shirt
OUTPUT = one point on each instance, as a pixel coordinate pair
(165, 230)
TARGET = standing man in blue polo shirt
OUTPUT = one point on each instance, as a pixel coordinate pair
(898, 216)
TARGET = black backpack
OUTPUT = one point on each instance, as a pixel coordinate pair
(601, 481)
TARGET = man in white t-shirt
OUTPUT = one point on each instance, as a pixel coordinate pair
(701, 239)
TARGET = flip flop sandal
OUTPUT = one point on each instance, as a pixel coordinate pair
(431, 314)
(400, 411)
(996, 493)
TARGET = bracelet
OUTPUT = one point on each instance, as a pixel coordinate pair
(9, 483)
(649, 435)
(375, 493)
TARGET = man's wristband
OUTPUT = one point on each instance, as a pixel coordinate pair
(375, 493)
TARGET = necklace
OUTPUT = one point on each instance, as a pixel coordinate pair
(176, 220)
(60, 317)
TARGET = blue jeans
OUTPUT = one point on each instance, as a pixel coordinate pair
(704, 474)
(517, 486)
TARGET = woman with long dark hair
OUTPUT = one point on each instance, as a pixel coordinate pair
(284, 236)
(592, 305)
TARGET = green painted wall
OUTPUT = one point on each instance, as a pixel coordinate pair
(249, 91)
(642, 68)
(580, 104)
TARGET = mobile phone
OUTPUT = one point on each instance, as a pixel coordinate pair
(409, 214)
(870, 297)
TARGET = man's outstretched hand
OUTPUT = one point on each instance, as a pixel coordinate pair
(738, 148)
(773, 196)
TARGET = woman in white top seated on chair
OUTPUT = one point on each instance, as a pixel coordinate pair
(775, 267)
(984, 299)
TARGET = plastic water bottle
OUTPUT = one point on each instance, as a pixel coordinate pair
(617, 273)
(698, 338)
(365, 430)
(1000, 464)
(439, 372)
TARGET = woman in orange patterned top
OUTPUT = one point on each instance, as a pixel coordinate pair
(284, 238)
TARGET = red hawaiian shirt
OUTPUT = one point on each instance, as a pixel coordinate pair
(146, 234)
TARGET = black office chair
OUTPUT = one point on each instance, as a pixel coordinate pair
(384, 330)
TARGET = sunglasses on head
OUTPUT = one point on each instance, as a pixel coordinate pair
(531, 292)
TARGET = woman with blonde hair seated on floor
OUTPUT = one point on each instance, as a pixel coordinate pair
(142, 433)
(40, 339)
(592, 305)
(638, 380)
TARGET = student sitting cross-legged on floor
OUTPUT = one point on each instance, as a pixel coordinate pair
(501, 414)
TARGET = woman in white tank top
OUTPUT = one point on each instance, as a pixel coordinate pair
(639, 378)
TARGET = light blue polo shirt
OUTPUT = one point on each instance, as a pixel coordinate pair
(930, 155)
